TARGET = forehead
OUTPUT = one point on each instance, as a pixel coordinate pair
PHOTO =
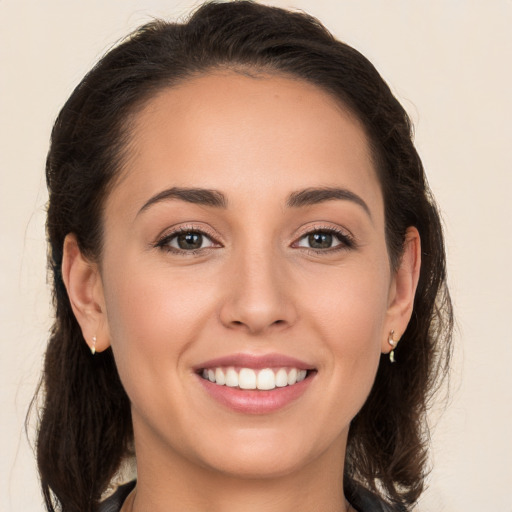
(243, 135)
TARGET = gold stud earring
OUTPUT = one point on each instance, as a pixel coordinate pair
(393, 343)
(93, 348)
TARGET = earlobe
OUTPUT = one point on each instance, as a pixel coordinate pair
(85, 291)
(403, 289)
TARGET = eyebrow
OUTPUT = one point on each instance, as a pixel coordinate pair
(312, 196)
(201, 196)
(216, 199)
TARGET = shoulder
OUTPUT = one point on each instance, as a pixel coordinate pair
(115, 502)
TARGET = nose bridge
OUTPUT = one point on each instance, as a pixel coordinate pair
(257, 298)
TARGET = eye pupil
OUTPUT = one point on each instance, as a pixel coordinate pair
(320, 240)
(190, 241)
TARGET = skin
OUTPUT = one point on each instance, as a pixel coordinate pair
(254, 287)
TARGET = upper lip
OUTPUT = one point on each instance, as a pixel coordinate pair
(256, 362)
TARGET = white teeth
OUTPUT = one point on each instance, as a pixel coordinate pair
(220, 378)
(266, 379)
(292, 376)
(281, 378)
(247, 378)
(231, 378)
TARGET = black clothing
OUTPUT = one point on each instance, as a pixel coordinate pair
(115, 502)
(365, 501)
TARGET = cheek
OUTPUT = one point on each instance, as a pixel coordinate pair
(153, 317)
(350, 318)
(350, 304)
(152, 300)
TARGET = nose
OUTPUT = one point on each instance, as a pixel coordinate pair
(258, 294)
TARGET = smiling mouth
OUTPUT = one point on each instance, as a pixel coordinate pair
(265, 379)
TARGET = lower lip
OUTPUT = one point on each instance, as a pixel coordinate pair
(256, 401)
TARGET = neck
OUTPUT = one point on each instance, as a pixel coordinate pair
(167, 482)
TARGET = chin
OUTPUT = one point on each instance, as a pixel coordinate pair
(266, 454)
(258, 466)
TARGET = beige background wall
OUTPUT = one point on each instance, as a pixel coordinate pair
(450, 64)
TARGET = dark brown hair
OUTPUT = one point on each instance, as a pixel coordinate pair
(85, 424)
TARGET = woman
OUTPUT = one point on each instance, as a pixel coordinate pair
(240, 236)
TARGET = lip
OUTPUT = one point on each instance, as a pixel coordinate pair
(256, 362)
(256, 401)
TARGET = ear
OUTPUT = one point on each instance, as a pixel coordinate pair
(403, 288)
(85, 291)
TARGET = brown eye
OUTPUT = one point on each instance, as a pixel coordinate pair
(186, 241)
(325, 240)
(189, 241)
(320, 240)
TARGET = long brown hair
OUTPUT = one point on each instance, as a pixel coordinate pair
(85, 424)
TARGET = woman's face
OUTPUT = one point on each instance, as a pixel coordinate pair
(244, 241)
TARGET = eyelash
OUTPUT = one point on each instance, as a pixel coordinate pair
(346, 240)
(164, 242)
